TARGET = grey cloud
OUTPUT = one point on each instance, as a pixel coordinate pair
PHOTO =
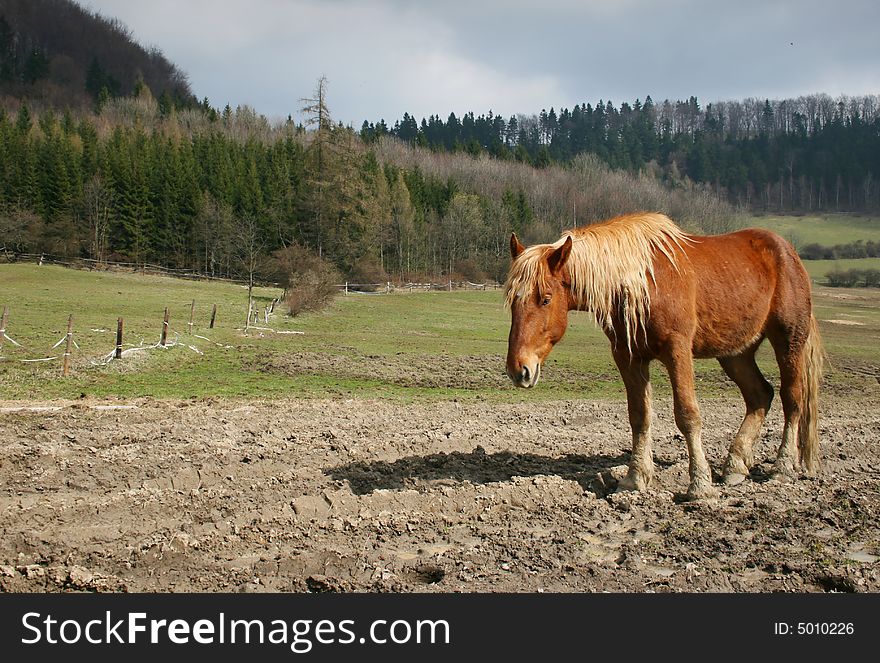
(385, 57)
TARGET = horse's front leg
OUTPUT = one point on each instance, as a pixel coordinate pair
(680, 364)
(636, 378)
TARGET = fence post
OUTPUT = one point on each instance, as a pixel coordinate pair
(3, 319)
(192, 311)
(164, 337)
(346, 287)
(118, 354)
(65, 368)
(213, 316)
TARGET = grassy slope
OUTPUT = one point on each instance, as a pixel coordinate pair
(826, 229)
(457, 329)
(818, 269)
(457, 325)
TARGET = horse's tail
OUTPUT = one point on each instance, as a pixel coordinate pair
(812, 362)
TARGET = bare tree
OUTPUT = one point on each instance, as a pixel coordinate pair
(98, 201)
(19, 230)
(315, 109)
(250, 255)
(215, 225)
(317, 116)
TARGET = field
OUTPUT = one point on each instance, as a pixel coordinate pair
(383, 449)
(818, 269)
(826, 229)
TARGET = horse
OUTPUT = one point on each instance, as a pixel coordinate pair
(661, 293)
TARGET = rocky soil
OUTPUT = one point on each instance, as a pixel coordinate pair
(360, 495)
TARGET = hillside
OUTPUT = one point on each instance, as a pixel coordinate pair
(58, 54)
(96, 162)
(813, 153)
(186, 191)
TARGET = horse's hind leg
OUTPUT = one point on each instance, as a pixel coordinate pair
(788, 356)
(758, 394)
(636, 378)
(680, 365)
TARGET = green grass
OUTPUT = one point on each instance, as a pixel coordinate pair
(40, 298)
(420, 346)
(817, 269)
(824, 229)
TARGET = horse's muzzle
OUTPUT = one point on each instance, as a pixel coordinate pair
(526, 377)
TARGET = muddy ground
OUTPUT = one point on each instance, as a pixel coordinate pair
(354, 495)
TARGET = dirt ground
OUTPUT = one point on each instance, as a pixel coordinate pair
(354, 495)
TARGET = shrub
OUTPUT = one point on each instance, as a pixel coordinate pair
(311, 280)
(849, 278)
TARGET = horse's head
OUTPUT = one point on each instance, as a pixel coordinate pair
(538, 295)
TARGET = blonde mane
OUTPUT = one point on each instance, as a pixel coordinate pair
(609, 267)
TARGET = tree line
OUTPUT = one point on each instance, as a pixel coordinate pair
(806, 154)
(57, 53)
(225, 191)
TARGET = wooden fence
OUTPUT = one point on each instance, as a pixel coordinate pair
(157, 270)
(388, 287)
(110, 266)
(69, 342)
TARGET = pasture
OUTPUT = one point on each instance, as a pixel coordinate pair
(818, 269)
(384, 449)
(824, 229)
(419, 346)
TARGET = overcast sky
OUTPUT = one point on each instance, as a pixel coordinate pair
(386, 57)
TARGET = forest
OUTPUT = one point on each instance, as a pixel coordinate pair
(106, 154)
(208, 190)
(794, 155)
(59, 54)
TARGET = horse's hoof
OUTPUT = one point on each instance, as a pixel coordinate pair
(702, 492)
(783, 472)
(733, 478)
(630, 482)
(735, 465)
(782, 477)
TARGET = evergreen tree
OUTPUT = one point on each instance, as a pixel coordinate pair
(36, 67)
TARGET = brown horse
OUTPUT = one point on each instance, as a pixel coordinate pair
(660, 293)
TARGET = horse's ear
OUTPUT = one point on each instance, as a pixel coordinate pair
(515, 247)
(556, 260)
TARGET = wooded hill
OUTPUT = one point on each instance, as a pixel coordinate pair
(806, 154)
(55, 53)
(194, 188)
(105, 154)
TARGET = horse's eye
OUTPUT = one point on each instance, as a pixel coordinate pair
(546, 300)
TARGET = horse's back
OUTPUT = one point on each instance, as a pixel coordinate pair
(729, 289)
(756, 257)
(791, 306)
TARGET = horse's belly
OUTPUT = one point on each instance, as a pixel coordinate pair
(726, 345)
(728, 336)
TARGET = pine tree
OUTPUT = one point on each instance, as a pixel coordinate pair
(36, 67)
(8, 57)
